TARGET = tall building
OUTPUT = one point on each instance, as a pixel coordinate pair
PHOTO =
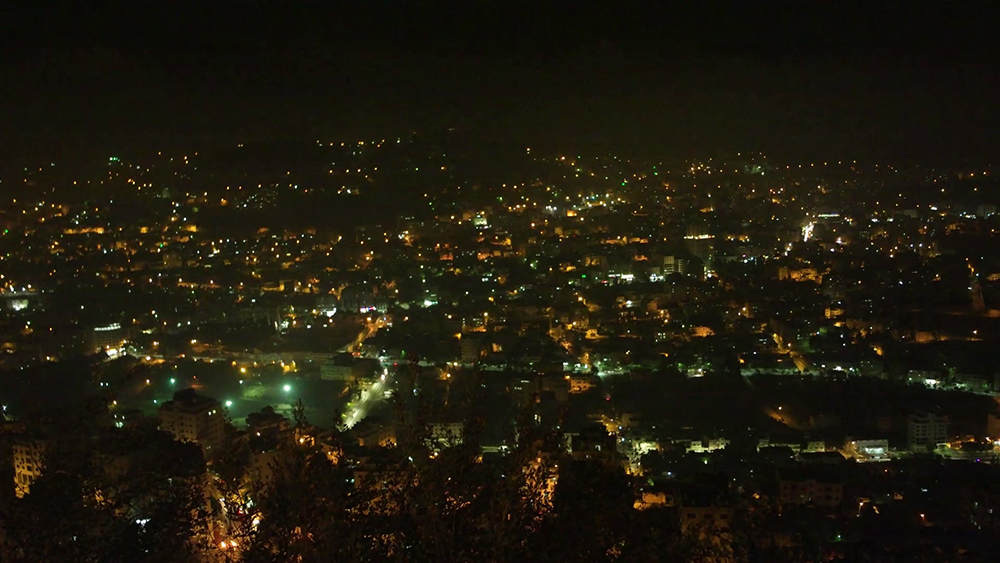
(28, 462)
(924, 431)
(193, 418)
(471, 349)
(701, 243)
(107, 337)
(673, 265)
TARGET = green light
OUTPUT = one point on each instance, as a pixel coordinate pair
(229, 403)
(287, 388)
(172, 381)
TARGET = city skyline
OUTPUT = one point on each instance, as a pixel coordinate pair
(372, 281)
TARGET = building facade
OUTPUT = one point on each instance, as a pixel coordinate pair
(924, 430)
(28, 463)
(196, 419)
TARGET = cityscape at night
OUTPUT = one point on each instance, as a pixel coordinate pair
(345, 284)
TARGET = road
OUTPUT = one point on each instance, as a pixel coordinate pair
(800, 361)
(370, 329)
(359, 409)
(369, 398)
(356, 412)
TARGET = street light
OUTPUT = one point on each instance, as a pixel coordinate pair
(287, 388)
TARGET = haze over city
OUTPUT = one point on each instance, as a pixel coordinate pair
(310, 281)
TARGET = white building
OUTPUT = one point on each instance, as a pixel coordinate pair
(107, 337)
(869, 450)
(924, 431)
(193, 418)
(444, 434)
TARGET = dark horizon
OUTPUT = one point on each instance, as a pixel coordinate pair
(801, 83)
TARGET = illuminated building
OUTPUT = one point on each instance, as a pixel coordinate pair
(675, 265)
(28, 462)
(107, 337)
(444, 434)
(701, 243)
(193, 418)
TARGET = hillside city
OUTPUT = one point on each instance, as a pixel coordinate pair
(717, 344)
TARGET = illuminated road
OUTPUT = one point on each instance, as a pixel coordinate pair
(360, 408)
(781, 416)
(355, 412)
(800, 361)
(371, 327)
(369, 397)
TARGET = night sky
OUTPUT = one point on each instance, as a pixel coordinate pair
(902, 80)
